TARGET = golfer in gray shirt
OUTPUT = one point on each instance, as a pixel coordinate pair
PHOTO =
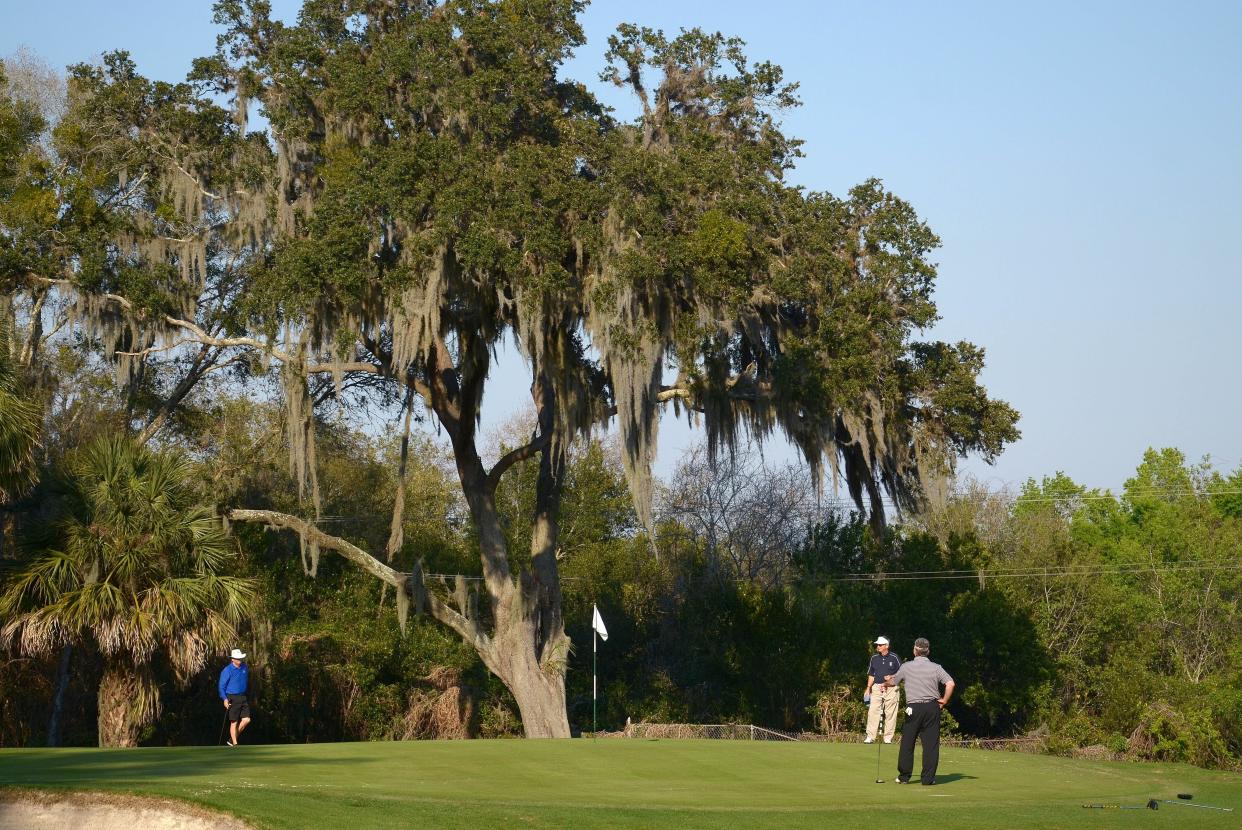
(923, 680)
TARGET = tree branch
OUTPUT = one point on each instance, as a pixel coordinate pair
(744, 386)
(167, 348)
(202, 363)
(312, 533)
(171, 159)
(396, 530)
(350, 366)
(224, 364)
(514, 456)
(468, 629)
(35, 335)
(667, 393)
(198, 336)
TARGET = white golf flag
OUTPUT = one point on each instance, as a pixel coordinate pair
(597, 622)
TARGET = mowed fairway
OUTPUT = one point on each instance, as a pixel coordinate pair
(629, 783)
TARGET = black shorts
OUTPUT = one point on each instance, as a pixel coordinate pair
(238, 708)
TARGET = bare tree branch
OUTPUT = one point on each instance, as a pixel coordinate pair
(469, 630)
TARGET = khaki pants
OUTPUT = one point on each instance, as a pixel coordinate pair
(888, 699)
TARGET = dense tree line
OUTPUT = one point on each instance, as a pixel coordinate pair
(428, 185)
(1096, 620)
(1106, 623)
(225, 351)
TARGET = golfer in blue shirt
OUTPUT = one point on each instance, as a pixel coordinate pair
(234, 681)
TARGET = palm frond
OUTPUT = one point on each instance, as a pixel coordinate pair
(19, 434)
(135, 564)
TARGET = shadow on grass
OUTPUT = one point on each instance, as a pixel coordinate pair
(70, 767)
(954, 776)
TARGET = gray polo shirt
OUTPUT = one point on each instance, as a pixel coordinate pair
(923, 679)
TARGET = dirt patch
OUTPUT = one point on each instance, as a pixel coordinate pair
(37, 810)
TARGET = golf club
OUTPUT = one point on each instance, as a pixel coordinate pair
(223, 727)
(1200, 806)
(1150, 805)
(879, 732)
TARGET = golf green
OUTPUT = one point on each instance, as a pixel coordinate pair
(630, 783)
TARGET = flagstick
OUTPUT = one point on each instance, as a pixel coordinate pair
(594, 651)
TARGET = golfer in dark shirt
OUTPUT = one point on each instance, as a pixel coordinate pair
(881, 697)
(923, 680)
(234, 683)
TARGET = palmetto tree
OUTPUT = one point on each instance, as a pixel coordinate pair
(19, 432)
(133, 565)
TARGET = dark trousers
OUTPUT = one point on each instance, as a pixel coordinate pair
(923, 723)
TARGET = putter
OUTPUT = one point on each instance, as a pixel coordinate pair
(879, 741)
(223, 726)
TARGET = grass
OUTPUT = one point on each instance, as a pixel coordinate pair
(626, 783)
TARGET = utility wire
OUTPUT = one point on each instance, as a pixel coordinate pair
(1000, 573)
(1039, 573)
(1118, 569)
(887, 502)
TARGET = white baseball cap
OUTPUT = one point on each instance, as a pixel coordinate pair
(881, 641)
(237, 654)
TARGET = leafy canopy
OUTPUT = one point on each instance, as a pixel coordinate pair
(434, 186)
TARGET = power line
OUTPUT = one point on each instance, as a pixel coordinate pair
(966, 495)
(1119, 569)
(1130, 494)
(453, 577)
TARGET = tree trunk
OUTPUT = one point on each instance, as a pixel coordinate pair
(528, 649)
(540, 697)
(129, 700)
(543, 585)
(58, 699)
(525, 650)
(537, 682)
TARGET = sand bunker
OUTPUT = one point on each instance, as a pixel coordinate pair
(21, 810)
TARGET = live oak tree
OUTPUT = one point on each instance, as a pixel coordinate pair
(427, 187)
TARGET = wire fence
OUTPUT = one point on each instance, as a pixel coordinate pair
(750, 732)
(708, 731)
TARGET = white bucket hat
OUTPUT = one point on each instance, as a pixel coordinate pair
(881, 641)
(237, 654)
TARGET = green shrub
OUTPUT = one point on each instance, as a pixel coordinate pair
(1168, 734)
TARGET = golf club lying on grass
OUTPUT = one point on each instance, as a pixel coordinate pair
(1200, 806)
(1153, 804)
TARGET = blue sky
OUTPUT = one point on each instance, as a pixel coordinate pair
(1082, 163)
